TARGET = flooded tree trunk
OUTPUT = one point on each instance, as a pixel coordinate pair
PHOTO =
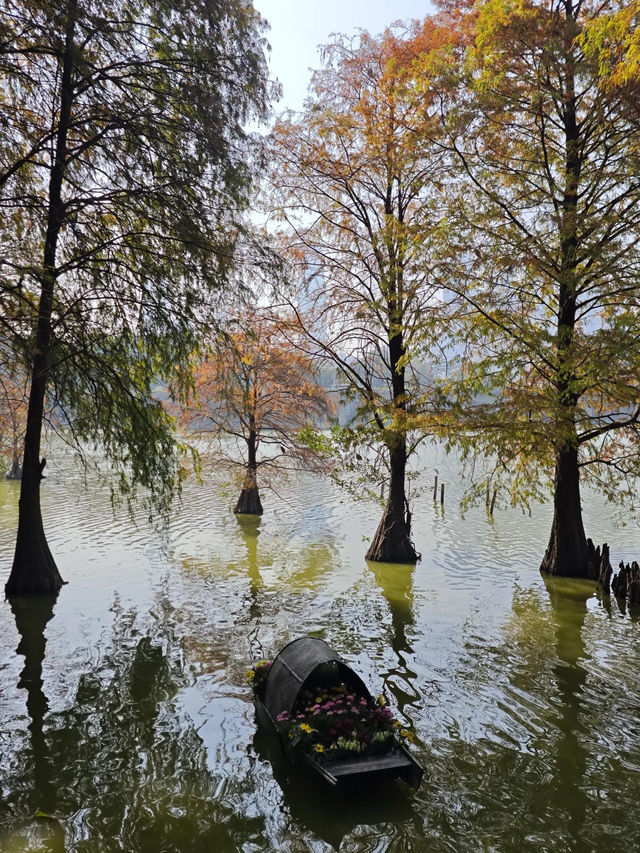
(567, 549)
(567, 552)
(249, 502)
(15, 472)
(392, 541)
(34, 570)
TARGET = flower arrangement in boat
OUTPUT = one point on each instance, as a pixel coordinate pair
(257, 676)
(335, 722)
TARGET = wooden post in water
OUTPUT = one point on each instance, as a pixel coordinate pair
(493, 501)
(442, 493)
(435, 489)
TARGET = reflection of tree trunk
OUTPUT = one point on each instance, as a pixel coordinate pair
(396, 583)
(249, 501)
(31, 615)
(392, 541)
(567, 550)
(569, 607)
(250, 527)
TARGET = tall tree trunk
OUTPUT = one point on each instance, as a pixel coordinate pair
(567, 550)
(249, 501)
(392, 541)
(34, 570)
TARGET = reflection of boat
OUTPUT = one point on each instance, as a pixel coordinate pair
(307, 663)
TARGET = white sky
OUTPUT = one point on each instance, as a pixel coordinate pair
(299, 26)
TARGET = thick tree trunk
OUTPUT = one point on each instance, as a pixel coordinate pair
(392, 541)
(34, 570)
(249, 501)
(567, 550)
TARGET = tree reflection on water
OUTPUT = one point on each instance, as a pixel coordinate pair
(120, 764)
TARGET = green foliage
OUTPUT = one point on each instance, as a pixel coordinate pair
(542, 242)
(155, 171)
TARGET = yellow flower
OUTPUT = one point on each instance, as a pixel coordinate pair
(404, 733)
(249, 675)
(319, 747)
(398, 724)
(306, 727)
(381, 699)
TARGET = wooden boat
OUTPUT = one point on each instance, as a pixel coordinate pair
(296, 668)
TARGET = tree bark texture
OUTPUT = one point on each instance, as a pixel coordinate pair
(566, 553)
(34, 570)
(392, 541)
(598, 565)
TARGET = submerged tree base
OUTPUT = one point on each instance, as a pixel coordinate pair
(249, 502)
(567, 554)
(15, 472)
(34, 571)
(392, 542)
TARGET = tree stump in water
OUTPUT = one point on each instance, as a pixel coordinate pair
(598, 565)
(626, 584)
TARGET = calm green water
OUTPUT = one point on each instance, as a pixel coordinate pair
(124, 712)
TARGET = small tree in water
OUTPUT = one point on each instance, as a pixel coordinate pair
(257, 389)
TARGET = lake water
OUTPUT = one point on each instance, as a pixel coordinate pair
(125, 715)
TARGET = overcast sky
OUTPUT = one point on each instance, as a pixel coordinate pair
(299, 26)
